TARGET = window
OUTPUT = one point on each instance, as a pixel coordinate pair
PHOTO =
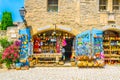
(102, 5)
(116, 4)
(52, 5)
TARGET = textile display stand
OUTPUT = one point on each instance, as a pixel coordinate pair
(25, 39)
(89, 49)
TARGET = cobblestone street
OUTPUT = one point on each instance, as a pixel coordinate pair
(63, 73)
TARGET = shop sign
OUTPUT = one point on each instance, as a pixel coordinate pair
(111, 17)
(111, 26)
(64, 28)
(13, 35)
(12, 31)
(43, 28)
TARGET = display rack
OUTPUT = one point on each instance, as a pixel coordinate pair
(97, 41)
(83, 43)
(46, 59)
(25, 39)
(89, 49)
(111, 44)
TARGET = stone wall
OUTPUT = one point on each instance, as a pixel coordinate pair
(37, 15)
(3, 33)
(12, 33)
(80, 15)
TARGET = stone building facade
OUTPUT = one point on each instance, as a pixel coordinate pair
(78, 15)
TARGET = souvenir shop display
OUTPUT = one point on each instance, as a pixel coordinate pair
(97, 41)
(111, 44)
(89, 61)
(89, 49)
(48, 47)
(83, 43)
(25, 39)
(48, 42)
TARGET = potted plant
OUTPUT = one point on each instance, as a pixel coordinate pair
(1, 60)
(5, 43)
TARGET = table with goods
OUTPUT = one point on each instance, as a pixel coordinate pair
(45, 59)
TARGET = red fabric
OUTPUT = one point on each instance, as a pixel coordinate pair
(36, 44)
(58, 48)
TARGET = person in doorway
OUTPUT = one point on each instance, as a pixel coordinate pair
(63, 53)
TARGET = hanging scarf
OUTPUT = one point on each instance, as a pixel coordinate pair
(64, 42)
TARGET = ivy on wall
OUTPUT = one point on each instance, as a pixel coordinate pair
(6, 20)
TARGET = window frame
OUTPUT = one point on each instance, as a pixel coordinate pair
(115, 5)
(52, 5)
(102, 5)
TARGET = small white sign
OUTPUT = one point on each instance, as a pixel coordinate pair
(111, 17)
(13, 35)
(111, 26)
(65, 28)
(43, 28)
(12, 31)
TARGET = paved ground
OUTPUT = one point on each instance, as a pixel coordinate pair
(63, 73)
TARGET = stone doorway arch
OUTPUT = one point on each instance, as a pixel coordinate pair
(52, 41)
(111, 43)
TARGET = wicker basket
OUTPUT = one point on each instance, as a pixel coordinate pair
(96, 65)
(73, 63)
(61, 63)
(90, 64)
(85, 64)
(18, 68)
(101, 65)
(79, 64)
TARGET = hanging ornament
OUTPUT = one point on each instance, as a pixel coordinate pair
(44, 34)
(60, 34)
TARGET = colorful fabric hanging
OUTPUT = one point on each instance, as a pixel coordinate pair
(102, 55)
(64, 42)
(58, 46)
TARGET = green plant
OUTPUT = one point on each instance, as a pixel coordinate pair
(0, 57)
(0, 27)
(11, 54)
(6, 20)
(5, 43)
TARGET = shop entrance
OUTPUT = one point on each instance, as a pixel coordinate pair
(54, 42)
(111, 45)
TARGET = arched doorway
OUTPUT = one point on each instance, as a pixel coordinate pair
(53, 41)
(111, 45)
